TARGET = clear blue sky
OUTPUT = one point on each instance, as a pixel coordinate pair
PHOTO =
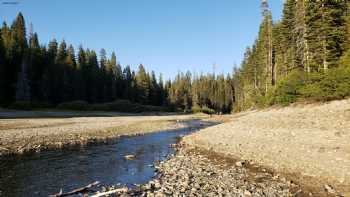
(165, 35)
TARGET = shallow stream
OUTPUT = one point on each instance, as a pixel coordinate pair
(44, 173)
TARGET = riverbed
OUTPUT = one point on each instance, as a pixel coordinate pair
(44, 173)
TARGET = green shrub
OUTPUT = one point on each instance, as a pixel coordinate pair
(27, 105)
(116, 106)
(196, 109)
(128, 106)
(204, 109)
(75, 105)
(21, 105)
(288, 90)
(332, 85)
(208, 110)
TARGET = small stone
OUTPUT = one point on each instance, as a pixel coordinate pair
(197, 186)
(129, 157)
(157, 185)
(168, 192)
(247, 193)
(329, 189)
(239, 163)
(183, 190)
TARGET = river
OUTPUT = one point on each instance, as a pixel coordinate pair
(44, 173)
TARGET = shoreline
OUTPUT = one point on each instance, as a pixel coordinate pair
(18, 136)
(193, 171)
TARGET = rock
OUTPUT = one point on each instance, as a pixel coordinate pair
(168, 192)
(129, 157)
(197, 186)
(157, 185)
(329, 189)
(247, 193)
(239, 163)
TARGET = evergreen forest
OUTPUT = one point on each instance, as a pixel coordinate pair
(304, 56)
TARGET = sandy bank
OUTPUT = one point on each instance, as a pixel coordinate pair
(310, 143)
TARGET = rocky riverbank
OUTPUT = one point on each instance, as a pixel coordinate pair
(194, 172)
(308, 143)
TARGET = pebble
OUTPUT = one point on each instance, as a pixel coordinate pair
(329, 189)
(239, 163)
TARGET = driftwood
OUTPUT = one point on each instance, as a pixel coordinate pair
(22, 148)
(76, 191)
(110, 192)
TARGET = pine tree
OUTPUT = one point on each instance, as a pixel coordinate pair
(92, 83)
(2, 70)
(288, 36)
(103, 60)
(266, 42)
(83, 74)
(143, 87)
(16, 49)
(69, 75)
(104, 89)
(59, 77)
(112, 68)
(162, 95)
(154, 90)
(128, 91)
(35, 68)
(9, 68)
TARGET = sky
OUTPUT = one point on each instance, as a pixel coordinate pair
(166, 36)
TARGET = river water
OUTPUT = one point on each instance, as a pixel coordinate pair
(44, 173)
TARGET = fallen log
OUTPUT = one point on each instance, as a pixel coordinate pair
(110, 192)
(75, 191)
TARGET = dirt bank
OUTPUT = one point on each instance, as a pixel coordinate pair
(23, 134)
(310, 143)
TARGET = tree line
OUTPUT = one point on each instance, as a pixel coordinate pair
(303, 55)
(50, 75)
(208, 93)
(56, 73)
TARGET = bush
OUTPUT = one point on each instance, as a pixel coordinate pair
(335, 84)
(27, 105)
(75, 105)
(128, 106)
(287, 90)
(205, 109)
(116, 106)
(332, 85)
(196, 109)
(21, 105)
